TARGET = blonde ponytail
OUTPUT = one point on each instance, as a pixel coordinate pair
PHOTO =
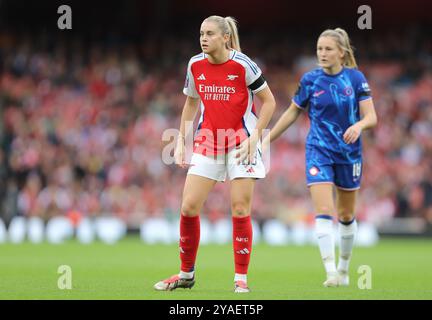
(343, 42)
(234, 42)
(227, 25)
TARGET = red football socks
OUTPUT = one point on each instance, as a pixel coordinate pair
(242, 243)
(189, 241)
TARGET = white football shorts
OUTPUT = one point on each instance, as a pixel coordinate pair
(217, 167)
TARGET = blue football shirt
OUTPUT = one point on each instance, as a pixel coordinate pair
(333, 102)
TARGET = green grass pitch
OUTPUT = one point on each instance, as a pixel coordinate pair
(401, 269)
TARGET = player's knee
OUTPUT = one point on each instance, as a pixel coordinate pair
(325, 209)
(240, 209)
(189, 208)
(345, 214)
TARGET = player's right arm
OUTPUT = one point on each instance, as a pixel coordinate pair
(189, 112)
(285, 121)
(298, 104)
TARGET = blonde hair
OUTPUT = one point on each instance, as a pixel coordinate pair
(343, 42)
(227, 25)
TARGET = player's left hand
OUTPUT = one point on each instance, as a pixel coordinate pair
(352, 133)
(246, 151)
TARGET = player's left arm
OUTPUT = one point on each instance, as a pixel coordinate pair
(248, 147)
(368, 120)
(268, 107)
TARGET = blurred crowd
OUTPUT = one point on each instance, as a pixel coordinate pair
(82, 127)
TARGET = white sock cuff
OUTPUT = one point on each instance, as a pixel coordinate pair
(186, 275)
(323, 224)
(347, 230)
(240, 277)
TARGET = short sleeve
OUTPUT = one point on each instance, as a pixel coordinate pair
(301, 96)
(189, 86)
(253, 74)
(363, 91)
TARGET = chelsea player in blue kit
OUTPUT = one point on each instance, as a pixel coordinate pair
(340, 108)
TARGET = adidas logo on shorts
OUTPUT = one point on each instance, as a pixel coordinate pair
(250, 170)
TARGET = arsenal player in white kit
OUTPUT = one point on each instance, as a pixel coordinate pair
(223, 82)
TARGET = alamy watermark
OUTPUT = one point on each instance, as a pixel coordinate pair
(365, 20)
(365, 279)
(64, 282)
(65, 20)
